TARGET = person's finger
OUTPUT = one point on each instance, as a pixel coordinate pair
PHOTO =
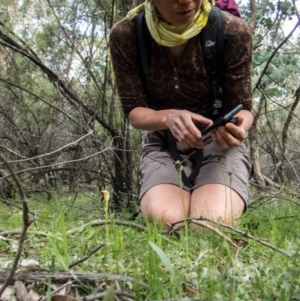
(193, 129)
(238, 132)
(201, 119)
(189, 139)
(219, 137)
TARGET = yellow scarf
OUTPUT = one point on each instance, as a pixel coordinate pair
(170, 35)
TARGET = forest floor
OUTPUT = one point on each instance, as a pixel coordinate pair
(75, 249)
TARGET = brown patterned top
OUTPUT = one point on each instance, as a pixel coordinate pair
(182, 83)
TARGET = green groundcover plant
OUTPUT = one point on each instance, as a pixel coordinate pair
(260, 261)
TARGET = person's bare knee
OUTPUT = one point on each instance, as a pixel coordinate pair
(164, 204)
(218, 203)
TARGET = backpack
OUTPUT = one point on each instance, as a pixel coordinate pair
(213, 42)
(228, 5)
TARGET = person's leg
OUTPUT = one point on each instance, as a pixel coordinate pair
(221, 190)
(165, 203)
(217, 202)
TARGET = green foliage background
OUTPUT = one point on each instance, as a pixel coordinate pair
(56, 89)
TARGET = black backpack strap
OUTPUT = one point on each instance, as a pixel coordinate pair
(197, 166)
(172, 146)
(212, 41)
(213, 47)
(143, 52)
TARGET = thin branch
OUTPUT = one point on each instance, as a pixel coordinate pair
(57, 81)
(86, 257)
(56, 151)
(213, 229)
(57, 290)
(11, 151)
(94, 223)
(273, 54)
(73, 46)
(245, 234)
(272, 183)
(59, 163)
(102, 296)
(26, 223)
(41, 99)
(100, 222)
(198, 221)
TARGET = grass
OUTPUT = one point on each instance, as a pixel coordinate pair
(199, 265)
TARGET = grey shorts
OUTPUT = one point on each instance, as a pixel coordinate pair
(230, 167)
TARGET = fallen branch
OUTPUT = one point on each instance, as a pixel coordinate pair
(198, 221)
(102, 295)
(186, 299)
(213, 229)
(247, 235)
(100, 222)
(65, 276)
(94, 223)
(272, 183)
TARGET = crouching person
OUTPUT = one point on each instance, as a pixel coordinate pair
(183, 173)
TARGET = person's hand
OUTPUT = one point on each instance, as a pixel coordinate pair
(230, 135)
(182, 125)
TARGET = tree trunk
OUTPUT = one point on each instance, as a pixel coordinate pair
(254, 152)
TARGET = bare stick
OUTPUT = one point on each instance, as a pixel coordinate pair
(86, 257)
(57, 290)
(94, 223)
(247, 235)
(63, 276)
(26, 224)
(59, 163)
(213, 229)
(11, 151)
(103, 294)
(56, 151)
(100, 222)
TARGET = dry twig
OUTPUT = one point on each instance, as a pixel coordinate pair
(247, 235)
(199, 222)
(213, 229)
(100, 222)
(64, 276)
(86, 257)
(26, 223)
